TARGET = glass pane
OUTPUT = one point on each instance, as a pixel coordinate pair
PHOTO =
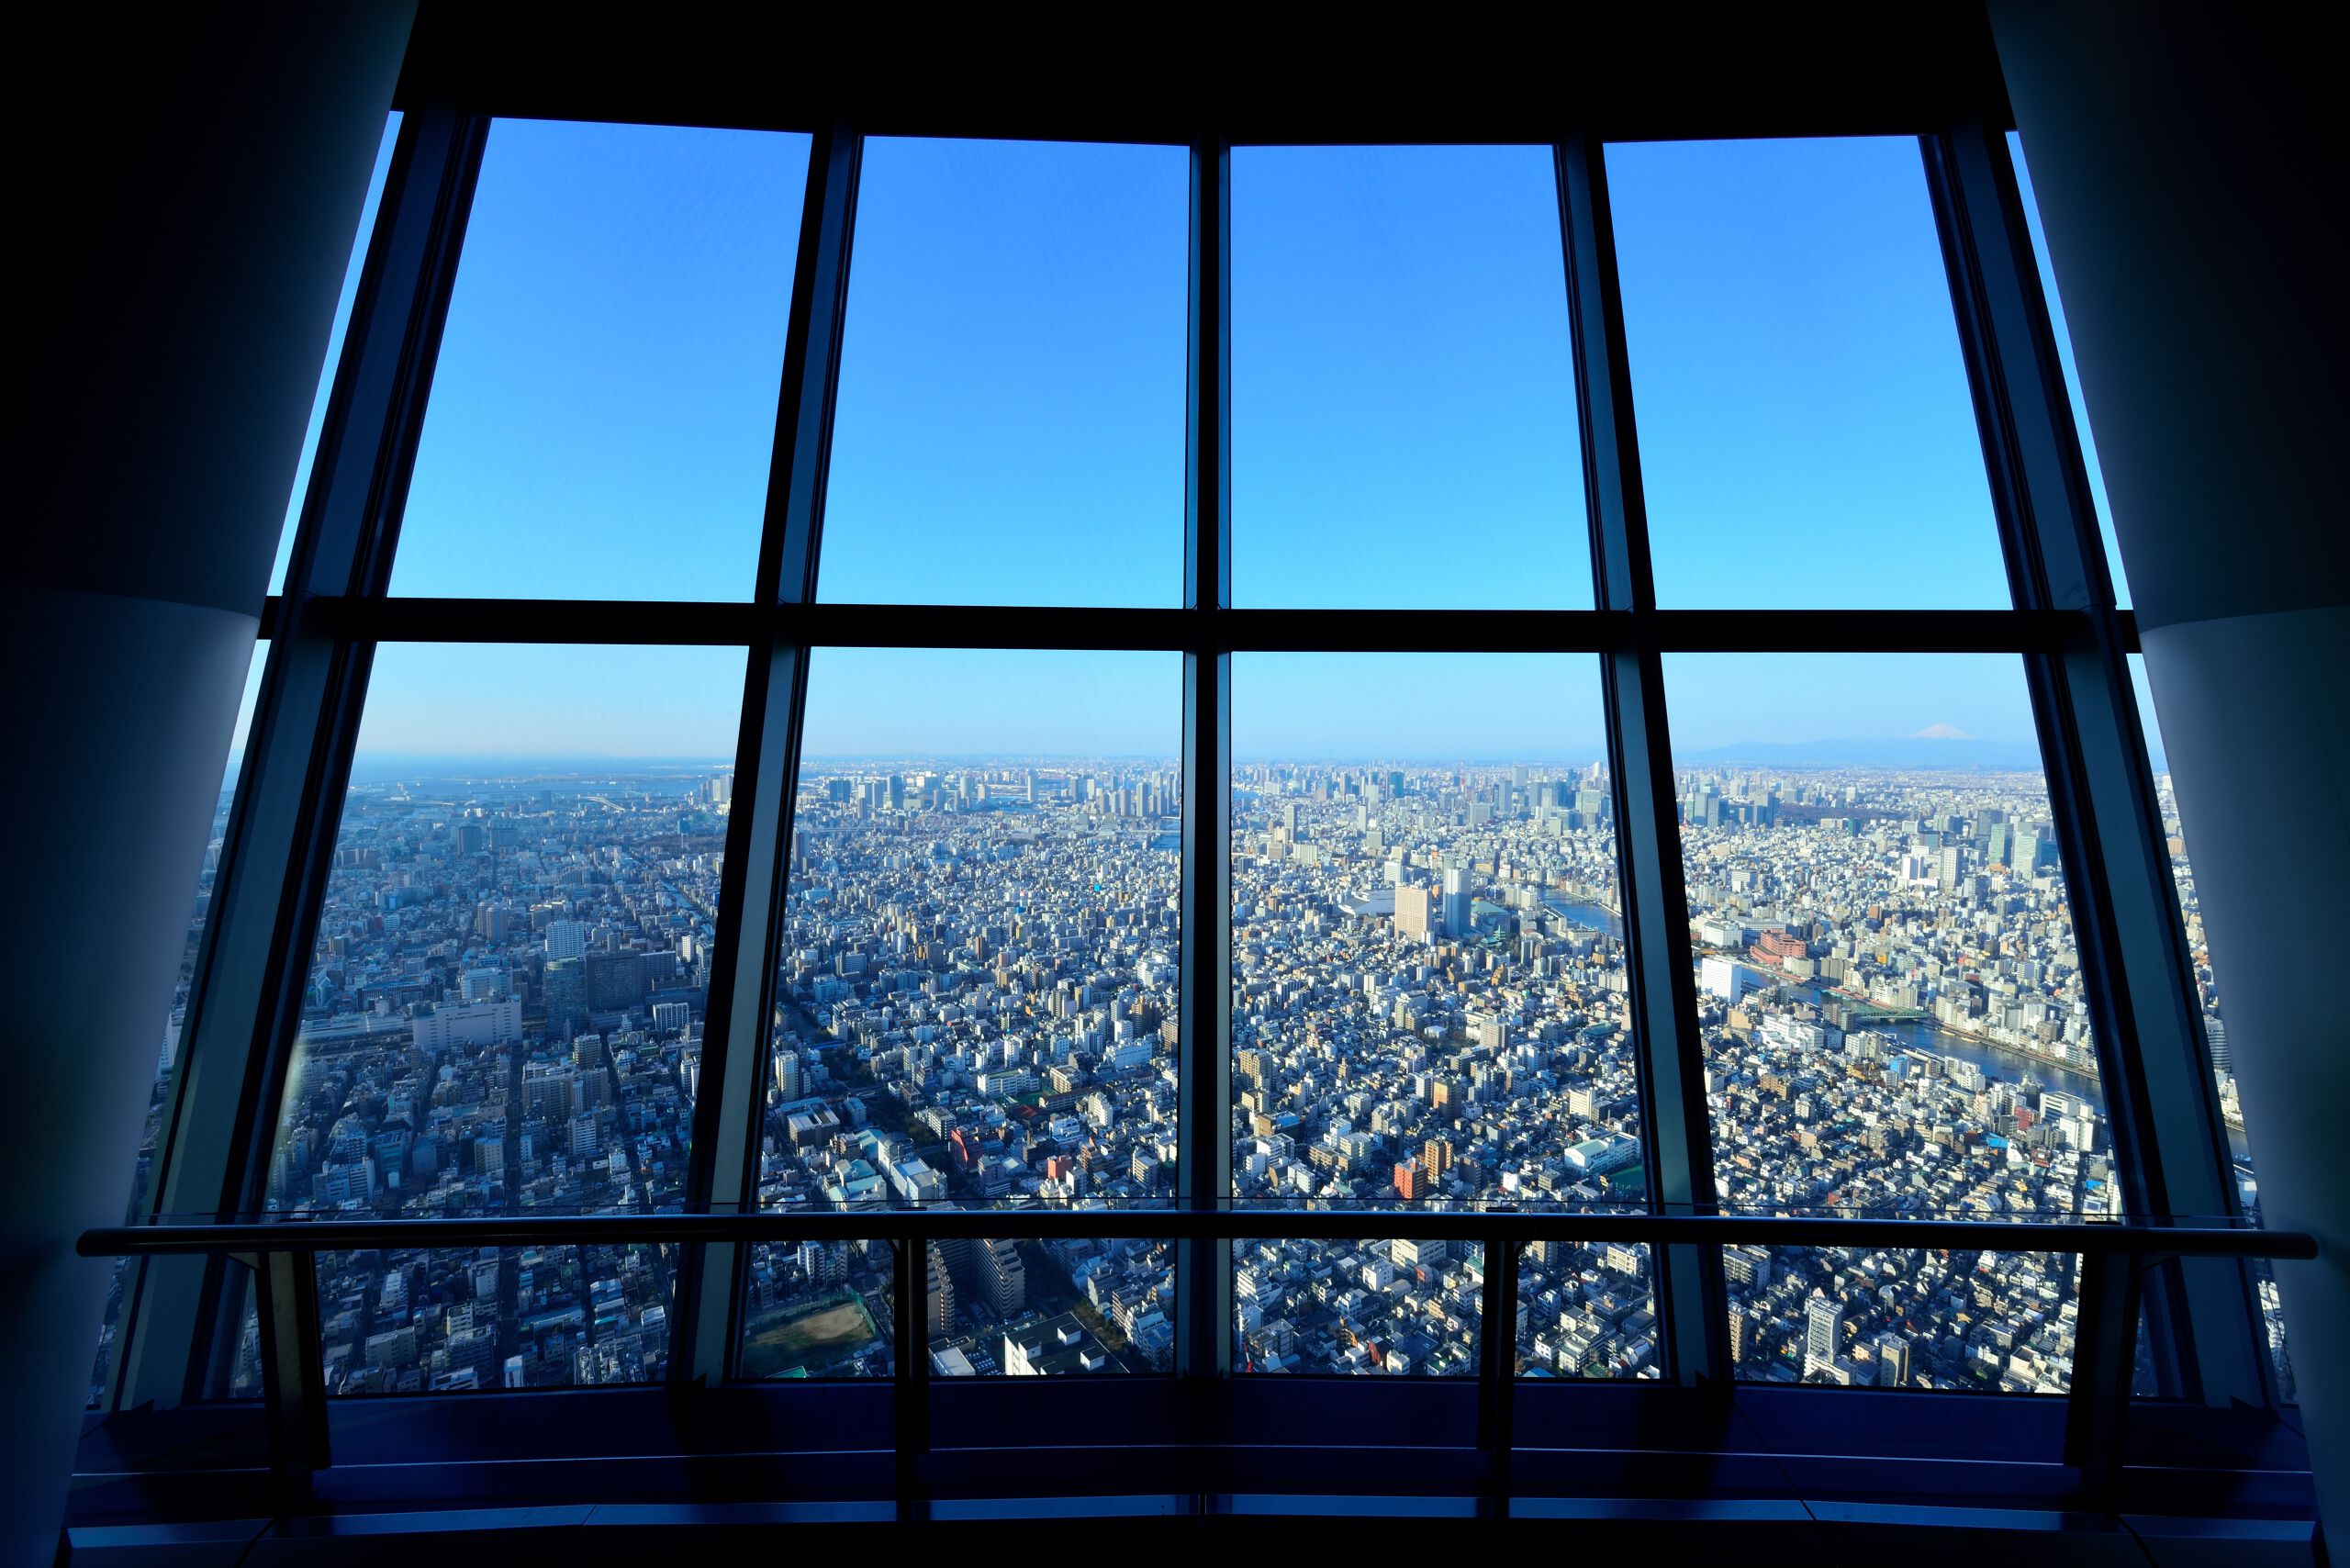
(2215, 1028)
(1586, 1311)
(450, 1321)
(603, 410)
(342, 305)
(2072, 374)
(507, 997)
(1062, 1308)
(977, 988)
(819, 1309)
(1349, 1308)
(1890, 990)
(1806, 436)
(167, 1056)
(1427, 962)
(1869, 1318)
(1010, 427)
(1403, 425)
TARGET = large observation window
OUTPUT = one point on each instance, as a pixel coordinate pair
(1135, 925)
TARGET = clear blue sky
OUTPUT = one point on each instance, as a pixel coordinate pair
(1011, 428)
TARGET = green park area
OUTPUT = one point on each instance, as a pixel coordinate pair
(813, 1334)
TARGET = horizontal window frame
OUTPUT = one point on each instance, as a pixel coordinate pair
(731, 623)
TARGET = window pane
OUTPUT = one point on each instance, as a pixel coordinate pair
(1889, 985)
(450, 1320)
(1391, 1308)
(507, 998)
(1009, 426)
(978, 988)
(143, 1172)
(1587, 1312)
(1806, 436)
(1872, 1317)
(2215, 1028)
(976, 995)
(1427, 963)
(1404, 426)
(604, 406)
(342, 305)
(2072, 374)
(1427, 990)
(1063, 1308)
(819, 1309)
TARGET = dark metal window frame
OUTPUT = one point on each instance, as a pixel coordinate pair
(244, 1009)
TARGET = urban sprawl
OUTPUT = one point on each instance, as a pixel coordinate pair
(977, 1002)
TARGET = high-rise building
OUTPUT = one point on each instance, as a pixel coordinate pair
(615, 981)
(1456, 901)
(1892, 1360)
(566, 994)
(1823, 1333)
(939, 1317)
(1412, 1181)
(566, 938)
(1415, 913)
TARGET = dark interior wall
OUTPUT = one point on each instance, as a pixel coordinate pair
(190, 183)
(2188, 163)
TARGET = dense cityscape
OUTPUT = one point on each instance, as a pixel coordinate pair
(977, 1003)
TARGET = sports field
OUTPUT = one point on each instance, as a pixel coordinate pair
(815, 1334)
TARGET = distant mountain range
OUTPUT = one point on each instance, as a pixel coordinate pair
(1896, 751)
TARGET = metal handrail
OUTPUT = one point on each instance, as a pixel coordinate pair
(283, 1250)
(303, 1235)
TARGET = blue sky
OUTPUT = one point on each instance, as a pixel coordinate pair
(1011, 428)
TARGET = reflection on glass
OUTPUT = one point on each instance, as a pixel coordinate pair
(1011, 416)
(2215, 1028)
(2071, 373)
(505, 1000)
(1404, 426)
(1807, 435)
(1371, 1309)
(1586, 1311)
(1056, 1308)
(1890, 985)
(603, 405)
(334, 350)
(143, 1172)
(819, 1309)
(1995, 1322)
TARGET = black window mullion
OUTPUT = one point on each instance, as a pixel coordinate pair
(244, 1010)
(1689, 1288)
(729, 1114)
(2152, 1058)
(1203, 1067)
